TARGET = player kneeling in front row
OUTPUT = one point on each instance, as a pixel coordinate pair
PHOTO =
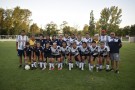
(46, 54)
(84, 53)
(94, 56)
(27, 53)
(37, 51)
(75, 55)
(65, 51)
(104, 55)
(55, 54)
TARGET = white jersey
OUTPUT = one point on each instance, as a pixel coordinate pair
(65, 50)
(74, 51)
(104, 39)
(67, 40)
(87, 40)
(21, 41)
(79, 43)
(94, 50)
(71, 40)
(104, 51)
(55, 51)
(84, 50)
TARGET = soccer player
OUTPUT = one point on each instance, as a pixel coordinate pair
(75, 55)
(37, 51)
(84, 53)
(65, 53)
(41, 40)
(72, 39)
(87, 39)
(67, 39)
(94, 54)
(28, 53)
(60, 40)
(104, 54)
(32, 43)
(48, 39)
(20, 44)
(54, 40)
(46, 54)
(55, 54)
(104, 37)
(115, 45)
(79, 40)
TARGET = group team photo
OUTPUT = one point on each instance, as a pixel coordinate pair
(100, 52)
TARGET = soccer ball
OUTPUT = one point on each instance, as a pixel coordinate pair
(27, 67)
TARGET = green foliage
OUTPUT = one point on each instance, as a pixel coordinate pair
(51, 29)
(12, 21)
(110, 19)
(92, 24)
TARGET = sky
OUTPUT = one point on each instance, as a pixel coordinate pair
(75, 12)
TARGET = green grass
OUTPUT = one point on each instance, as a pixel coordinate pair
(13, 78)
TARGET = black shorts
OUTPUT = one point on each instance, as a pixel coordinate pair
(102, 55)
(20, 52)
(47, 55)
(65, 55)
(55, 56)
(85, 54)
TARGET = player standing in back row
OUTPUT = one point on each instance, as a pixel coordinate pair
(20, 44)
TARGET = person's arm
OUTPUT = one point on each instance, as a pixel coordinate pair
(17, 43)
(120, 43)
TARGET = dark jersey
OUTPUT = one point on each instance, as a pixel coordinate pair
(114, 44)
(41, 41)
(47, 52)
(37, 50)
(48, 41)
(28, 51)
(54, 41)
(60, 42)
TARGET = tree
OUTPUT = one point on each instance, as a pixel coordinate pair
(132, 30)
(65, 28)
(85, 29)
(92, 24)
(110, 19)
(51, 28)
(34, 29)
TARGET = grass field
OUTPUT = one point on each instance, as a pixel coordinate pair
(14, 78)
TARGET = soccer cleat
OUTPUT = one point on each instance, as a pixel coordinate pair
(43, 68)
(20, 66)
(117, 71)
(52, 68)
(111, 69)
(59, 68)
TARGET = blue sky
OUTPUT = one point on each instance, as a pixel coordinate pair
(75, 12)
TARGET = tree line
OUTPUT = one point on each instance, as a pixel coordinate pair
(12, 21)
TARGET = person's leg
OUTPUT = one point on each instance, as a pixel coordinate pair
(91, 64)
(20, 53)
(107, 63)
(71, 62)
(117, 58)
(100, 63)
(82, 62)
(112, 61)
